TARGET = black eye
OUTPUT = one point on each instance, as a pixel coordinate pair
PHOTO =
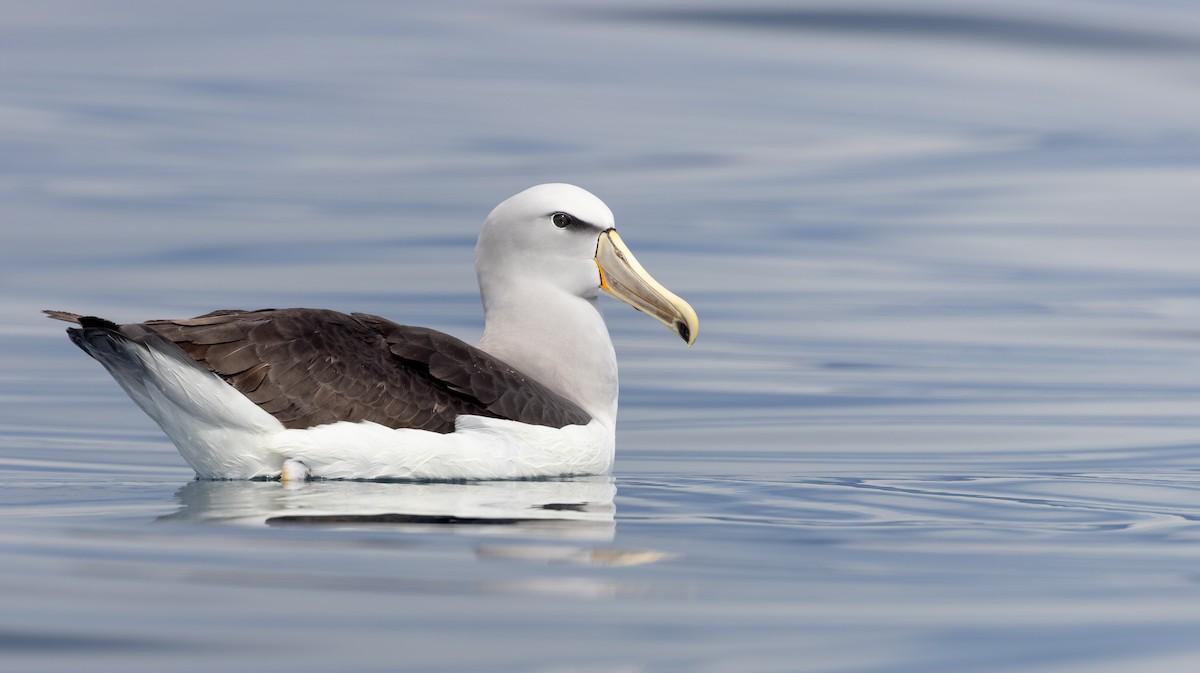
(562, 220)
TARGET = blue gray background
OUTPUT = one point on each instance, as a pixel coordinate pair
(943, 414)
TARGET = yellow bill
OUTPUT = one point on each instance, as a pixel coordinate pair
(622, 277)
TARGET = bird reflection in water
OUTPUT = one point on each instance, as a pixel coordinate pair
(571, 508)
(580, 509)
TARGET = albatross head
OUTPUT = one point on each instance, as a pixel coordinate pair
(563, 236)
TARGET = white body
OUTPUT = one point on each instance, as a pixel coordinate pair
(542, 257)
(223, 435)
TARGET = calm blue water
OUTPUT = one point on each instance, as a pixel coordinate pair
(943, 415)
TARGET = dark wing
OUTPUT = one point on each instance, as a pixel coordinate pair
(309, 367)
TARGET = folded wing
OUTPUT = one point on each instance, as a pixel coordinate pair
(310, 367)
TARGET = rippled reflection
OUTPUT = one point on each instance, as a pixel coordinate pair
(570, 508)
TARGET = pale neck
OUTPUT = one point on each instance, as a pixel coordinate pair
(558, 339)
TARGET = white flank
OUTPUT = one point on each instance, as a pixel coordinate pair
(223, 435)
(479, 448)
(218, 430)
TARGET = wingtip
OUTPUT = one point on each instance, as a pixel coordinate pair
(65, 316)
(83, 320)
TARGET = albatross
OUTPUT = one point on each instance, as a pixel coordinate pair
(301, 393)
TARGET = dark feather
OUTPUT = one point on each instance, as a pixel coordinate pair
(310, 367)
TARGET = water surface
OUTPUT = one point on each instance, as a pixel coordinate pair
(943, 414)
